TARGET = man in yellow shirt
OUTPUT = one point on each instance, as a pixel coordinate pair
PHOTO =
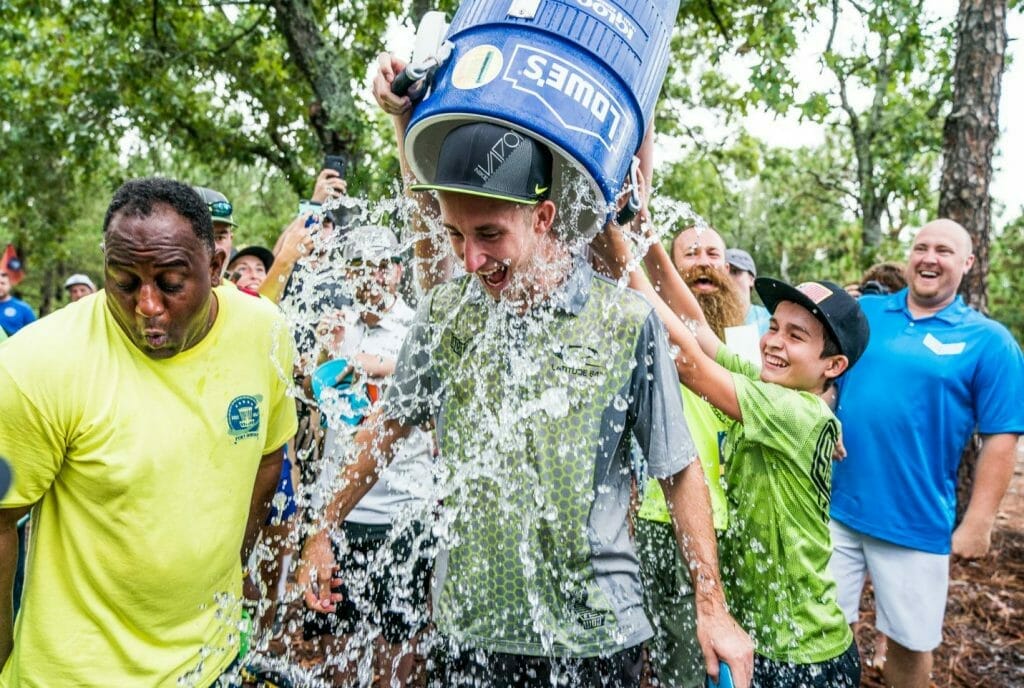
(147, 445)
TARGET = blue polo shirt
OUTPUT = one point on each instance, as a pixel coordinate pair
(908, 409)
(15, 314)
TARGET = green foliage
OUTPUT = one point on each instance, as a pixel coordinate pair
(1006, 278)
(782, 205)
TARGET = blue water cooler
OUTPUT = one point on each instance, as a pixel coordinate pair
(582, 76)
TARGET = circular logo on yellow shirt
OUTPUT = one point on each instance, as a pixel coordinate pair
(244, 417)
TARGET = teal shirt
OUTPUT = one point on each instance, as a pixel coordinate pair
(774, 555)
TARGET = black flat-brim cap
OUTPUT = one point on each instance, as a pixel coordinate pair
(837, 311)
(264, 255)
(492, 161)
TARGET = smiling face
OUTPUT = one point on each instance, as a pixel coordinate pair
(695, 253)
(791, 351)
(376, 286)
(250, 270)
(502, 243)
(939, 258)
(158, 279)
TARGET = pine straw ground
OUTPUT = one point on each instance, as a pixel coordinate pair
(983, 636)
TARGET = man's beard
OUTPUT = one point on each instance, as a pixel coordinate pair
(723, 307)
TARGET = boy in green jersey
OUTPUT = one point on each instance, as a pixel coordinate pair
(778, 451)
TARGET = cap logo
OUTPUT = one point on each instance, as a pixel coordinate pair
(501, 149)
(814, 291)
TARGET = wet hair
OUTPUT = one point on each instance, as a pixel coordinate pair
(137, 197)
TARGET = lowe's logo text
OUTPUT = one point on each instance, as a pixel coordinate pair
(573, 96)
(611, 14)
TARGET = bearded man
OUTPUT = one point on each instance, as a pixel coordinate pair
(699, 256)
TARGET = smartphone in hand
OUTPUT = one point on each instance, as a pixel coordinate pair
(336, 163)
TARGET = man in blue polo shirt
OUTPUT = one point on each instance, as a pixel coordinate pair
(14, 313)
(935, 372)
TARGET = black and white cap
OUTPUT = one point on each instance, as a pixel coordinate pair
(493, 161)
(828, 302)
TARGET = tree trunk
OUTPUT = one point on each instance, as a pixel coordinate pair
(971, 130)
(331, 82)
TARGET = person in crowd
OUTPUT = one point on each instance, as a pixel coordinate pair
(14, 313)
(78, 286)
(880, 278)
(743, 272)
(385, 579)
(675, 654)
(223, 216)
(779, 450)
(147, 444)
(249, 267)
(698, 254)
(524, 315)
(894, 497)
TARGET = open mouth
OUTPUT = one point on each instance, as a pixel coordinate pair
(775, 362)
(928, 274)
(703, 284)
(494, 278)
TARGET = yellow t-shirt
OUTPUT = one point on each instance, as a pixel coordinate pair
(141, 472)
(707, 426)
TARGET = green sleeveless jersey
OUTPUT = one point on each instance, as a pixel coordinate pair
(534, 414)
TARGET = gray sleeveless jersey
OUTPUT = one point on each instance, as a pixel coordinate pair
(534, 416)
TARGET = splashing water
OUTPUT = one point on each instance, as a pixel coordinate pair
(509, 511)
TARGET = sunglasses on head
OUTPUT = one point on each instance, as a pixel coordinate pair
(220, 208)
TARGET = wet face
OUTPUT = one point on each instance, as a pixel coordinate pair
(5, 286)
(791, 350)
(222, 238)
(501, 243)
(939, 258)
(376, 284)
(158, 279)
(250, 270)
(77, 291)
(695, 248)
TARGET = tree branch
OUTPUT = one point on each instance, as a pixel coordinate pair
(710, 4)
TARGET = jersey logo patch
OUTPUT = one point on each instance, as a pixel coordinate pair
(244, 417)
(942, 349)
(585, 616)
(577, 359)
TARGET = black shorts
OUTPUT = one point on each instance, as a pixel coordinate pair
(379, 586)
(462, 668)
(839, 672)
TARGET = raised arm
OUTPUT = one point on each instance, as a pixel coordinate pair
(294, 243)
(697, 369)
(433, 259)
